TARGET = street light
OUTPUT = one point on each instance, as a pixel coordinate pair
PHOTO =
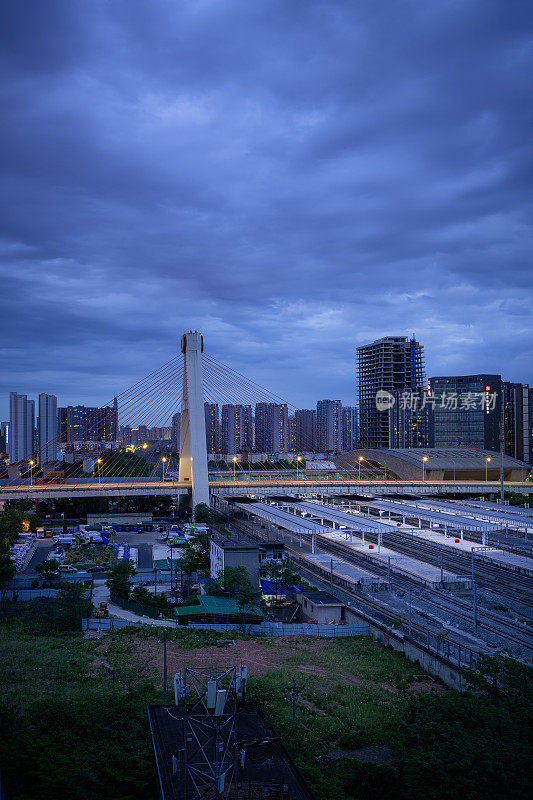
(424, 459)
(360, 459)
(297, 465)
(31, 472)
(99, 461)
(164, 461)
(145, 446)
(234, 467)
(486, 468)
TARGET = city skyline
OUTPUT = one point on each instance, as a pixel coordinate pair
(291, 207)
(143, 420)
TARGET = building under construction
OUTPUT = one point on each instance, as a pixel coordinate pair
(386, 365)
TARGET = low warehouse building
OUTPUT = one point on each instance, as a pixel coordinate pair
(321, 607)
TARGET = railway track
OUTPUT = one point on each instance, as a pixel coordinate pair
(488, 621)
(498, 579)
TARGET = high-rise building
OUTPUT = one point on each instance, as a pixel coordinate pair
(271, 428)
(236, 429)
(329, 426)
(466, 411)
(124, 435)
(80, 423)
(88, 424)
(106, 428)
(21, 427)
(304, 431)
(62, 425)
(386, 365)
(409, 420)
(212, 427)
(4, 437)
(140, 435)
(350, 428)
(47, 428)
(518, 421)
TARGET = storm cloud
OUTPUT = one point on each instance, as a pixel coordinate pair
(291, 178)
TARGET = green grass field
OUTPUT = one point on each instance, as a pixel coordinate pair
(66, 735)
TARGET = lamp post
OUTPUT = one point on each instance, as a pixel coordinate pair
(424, 459)
(164, 460)
(98, 470)
(297, 465)
(234, 467)
(486, 468)
(360, 459)
(31, 472)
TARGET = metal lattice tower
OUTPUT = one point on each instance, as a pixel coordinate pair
(208, 702)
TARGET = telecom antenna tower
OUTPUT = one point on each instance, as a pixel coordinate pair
(193, 448)
(208, 763)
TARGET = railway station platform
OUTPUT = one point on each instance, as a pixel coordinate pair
(497, 517)
(424, 573)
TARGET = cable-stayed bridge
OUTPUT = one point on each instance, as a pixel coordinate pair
(175, 395)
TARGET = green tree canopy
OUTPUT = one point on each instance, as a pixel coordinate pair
(280, 573)
(23, 505)
(48, 570)
(202, 513)
(195, 554)
(72, 604)
(235, 582)
(7, 571)
(119, 580)
(10, 526)
(228, 581)
(502, 677)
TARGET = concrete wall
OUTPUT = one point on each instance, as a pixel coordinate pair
(430, 662)
(264, 629)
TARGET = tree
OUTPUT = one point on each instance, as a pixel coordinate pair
(7, 571)
(281, 574)
(247, 598)
(141, 595)
(228, 581)
(195, 552)
(235, 582)
(23, 505)
(72, 603)
(202, 513)
(119, 581)
(502, 677)
(10, 526)
(48, 570)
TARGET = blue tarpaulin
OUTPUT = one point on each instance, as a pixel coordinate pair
(282, 588)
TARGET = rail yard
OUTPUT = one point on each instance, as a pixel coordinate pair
(457, 577)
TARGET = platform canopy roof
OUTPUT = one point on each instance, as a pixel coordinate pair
(282, 519)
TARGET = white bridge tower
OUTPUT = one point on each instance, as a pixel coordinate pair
(193, 449)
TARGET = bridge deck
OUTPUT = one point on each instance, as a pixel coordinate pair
(262, 488)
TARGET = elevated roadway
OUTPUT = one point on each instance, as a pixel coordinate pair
(259, 487)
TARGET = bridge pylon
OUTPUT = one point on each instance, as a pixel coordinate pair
(193, 449)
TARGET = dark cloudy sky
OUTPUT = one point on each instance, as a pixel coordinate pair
(293, 178)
